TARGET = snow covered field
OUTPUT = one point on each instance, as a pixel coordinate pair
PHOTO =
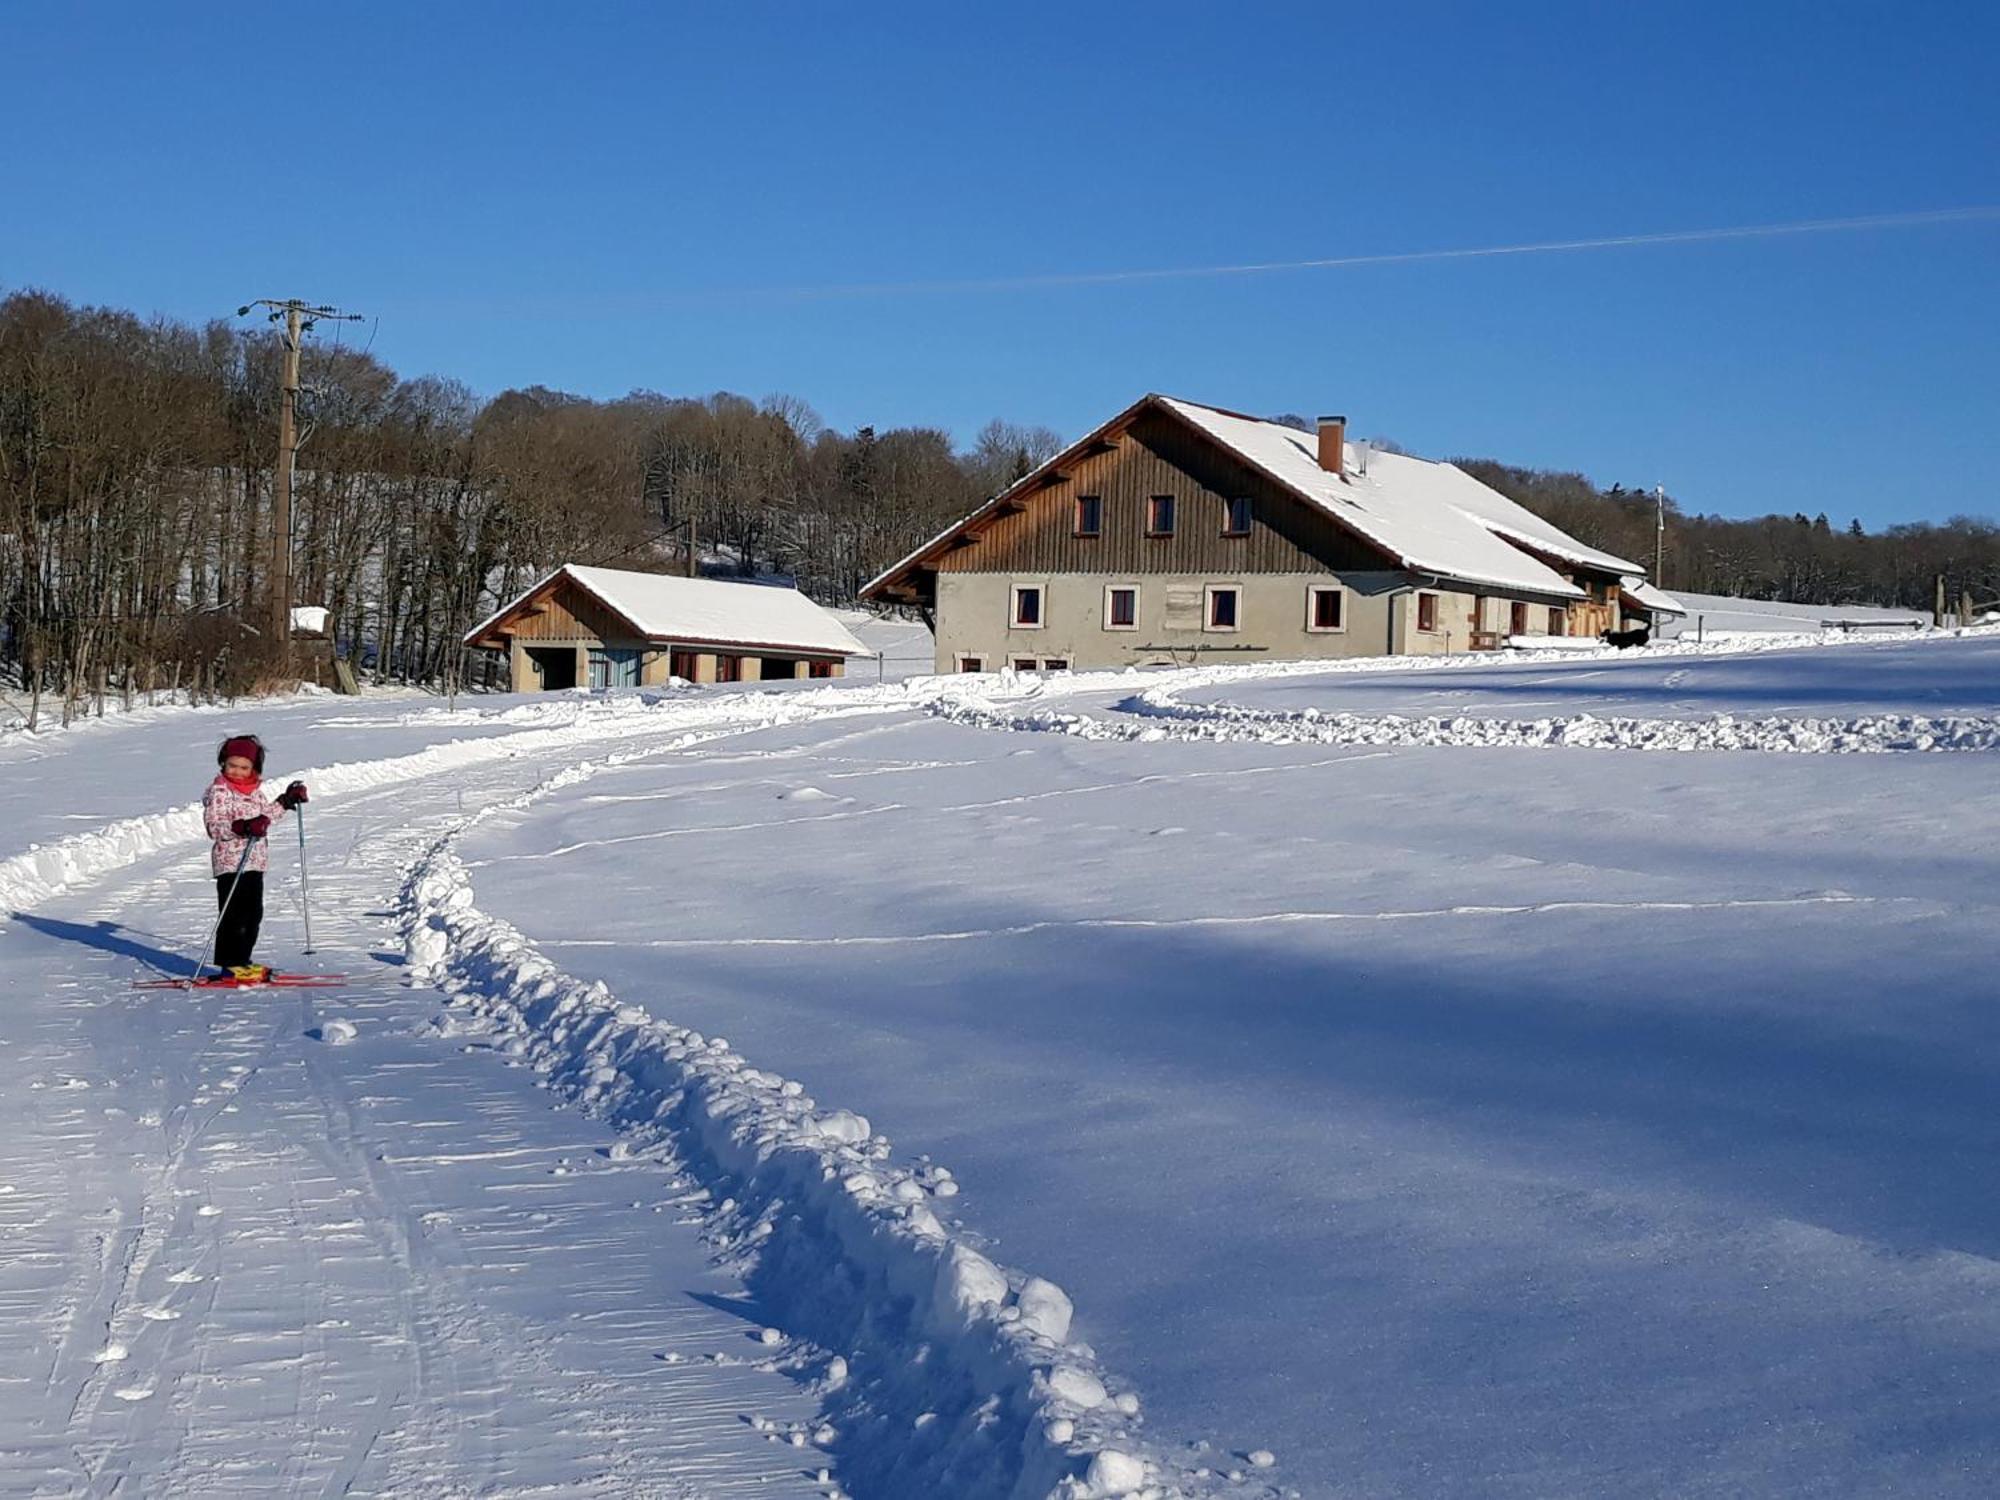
(1403, 1116)
(1708, 614)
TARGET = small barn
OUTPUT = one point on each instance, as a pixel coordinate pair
(607, 627)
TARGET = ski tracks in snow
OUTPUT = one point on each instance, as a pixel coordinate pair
(233, 1261)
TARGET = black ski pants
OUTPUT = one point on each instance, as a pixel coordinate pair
(242, 915)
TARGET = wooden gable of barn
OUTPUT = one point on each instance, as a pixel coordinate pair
(563, 610)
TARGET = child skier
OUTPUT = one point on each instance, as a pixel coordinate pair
(238, 815)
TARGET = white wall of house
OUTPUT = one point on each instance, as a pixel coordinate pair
(976, 619)
(1380, 614)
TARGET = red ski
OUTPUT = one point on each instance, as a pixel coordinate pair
(230, 982)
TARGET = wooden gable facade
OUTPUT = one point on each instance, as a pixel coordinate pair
(1144, 452)
(1159, 455)
(560, 610)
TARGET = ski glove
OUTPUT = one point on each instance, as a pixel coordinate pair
(292, 796)
(251, 828)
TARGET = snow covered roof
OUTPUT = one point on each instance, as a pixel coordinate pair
(1517, 523)
(309, 618)
(709, 610)
(1411, 508)
(1646, 596)
(1429, 517)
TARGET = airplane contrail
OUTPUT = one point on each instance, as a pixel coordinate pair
(1976, 214)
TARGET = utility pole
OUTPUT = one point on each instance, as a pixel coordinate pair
(298, 317)
(1659, 535)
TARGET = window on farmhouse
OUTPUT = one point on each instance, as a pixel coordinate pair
(1325, 612)
(1160, 516)
(1222, 608)
(1089, 515)
(1518, 620)
(1427, 612)
(1024, 664)
(1056, 664)
(1556, 622)
(1236, 516)
(1121, 609)
(1027, 607)
(972, 664)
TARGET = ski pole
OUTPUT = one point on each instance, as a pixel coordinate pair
(216, 935)
(305, 884)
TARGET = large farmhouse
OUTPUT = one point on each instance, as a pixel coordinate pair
(606, 627)
(1179, 532)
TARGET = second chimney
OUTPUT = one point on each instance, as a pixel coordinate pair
(1333, 445)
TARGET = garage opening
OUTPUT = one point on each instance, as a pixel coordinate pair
(554, 667)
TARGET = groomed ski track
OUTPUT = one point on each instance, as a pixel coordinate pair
(480, 1316)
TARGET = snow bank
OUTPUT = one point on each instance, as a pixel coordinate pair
(1157, 715)
(1567, 650)
(949, 1374)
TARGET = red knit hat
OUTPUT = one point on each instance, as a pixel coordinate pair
(246, 745)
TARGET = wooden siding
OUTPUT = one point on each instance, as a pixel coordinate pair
(1160, 455)
(564, 613)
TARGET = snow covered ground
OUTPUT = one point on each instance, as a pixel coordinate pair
(1708, 614)
(1411, 1115)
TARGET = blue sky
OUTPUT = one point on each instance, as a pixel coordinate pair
(607, 196)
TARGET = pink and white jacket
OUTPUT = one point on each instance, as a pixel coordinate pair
(221, 805)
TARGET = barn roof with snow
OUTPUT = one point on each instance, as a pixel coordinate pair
(1425, 516)
(707, 611)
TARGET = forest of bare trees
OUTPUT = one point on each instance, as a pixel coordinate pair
(136, 461)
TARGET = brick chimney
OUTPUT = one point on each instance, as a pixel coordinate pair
(1333, 445)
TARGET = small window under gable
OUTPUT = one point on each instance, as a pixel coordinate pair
(1236, 516)
(1089, 515)
(1160, 516)
(1027, 607)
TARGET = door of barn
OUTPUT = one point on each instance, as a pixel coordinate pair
(612, 667)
